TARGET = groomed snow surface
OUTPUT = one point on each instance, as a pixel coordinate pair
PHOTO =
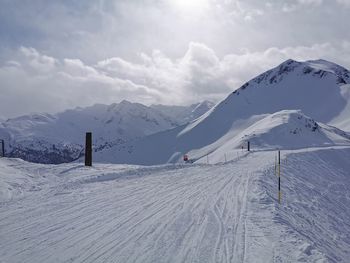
(225, 212)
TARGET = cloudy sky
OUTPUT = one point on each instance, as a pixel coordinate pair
(66, 53)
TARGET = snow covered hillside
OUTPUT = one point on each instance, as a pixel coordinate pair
(288, 129)
(58, 138)
(185, 114)
(225, 212)
(320, 89)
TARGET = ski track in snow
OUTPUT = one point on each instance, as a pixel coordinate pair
(199, 213)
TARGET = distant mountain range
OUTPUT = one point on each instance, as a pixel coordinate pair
(295, 104)
(57, 138)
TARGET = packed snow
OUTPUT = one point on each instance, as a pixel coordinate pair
(224, 212)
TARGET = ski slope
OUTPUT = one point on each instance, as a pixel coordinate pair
(225, 212)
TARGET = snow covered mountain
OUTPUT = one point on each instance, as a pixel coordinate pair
(287, 129)
(320, 89)
(59, 138)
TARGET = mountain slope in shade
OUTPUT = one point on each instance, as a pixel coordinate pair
(185, 113)
(319, 89)
(59, 138)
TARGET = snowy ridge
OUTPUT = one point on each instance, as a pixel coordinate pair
(317, 68)
(287, 129)
(192, 213)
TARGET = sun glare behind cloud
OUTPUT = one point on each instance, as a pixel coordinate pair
(190, 5)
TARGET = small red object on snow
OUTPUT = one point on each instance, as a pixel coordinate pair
(185, 158)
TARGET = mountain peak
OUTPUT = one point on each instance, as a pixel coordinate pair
(316, 68)
(125, 102)
(323, 61)
(317, 64)
(127, 106)
(273, 75)
(290, 61)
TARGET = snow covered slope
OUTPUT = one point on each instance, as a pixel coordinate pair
(179, 213)
(288, 129)
(59, 138)
(185, 114)
(320, 89)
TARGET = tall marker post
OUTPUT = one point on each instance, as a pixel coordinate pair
(88, 149)
(2, 148)
(279, 176)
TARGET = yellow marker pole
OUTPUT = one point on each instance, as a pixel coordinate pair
(279, 177)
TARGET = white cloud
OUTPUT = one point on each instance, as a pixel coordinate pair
(37, 82)
(38, 61)
(300, 4)
(34, 83)
(310, 2)
(345, 3)
(76, 67)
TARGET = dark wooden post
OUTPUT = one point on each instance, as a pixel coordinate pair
(2, 148)
(88, 149)
(248, 146)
